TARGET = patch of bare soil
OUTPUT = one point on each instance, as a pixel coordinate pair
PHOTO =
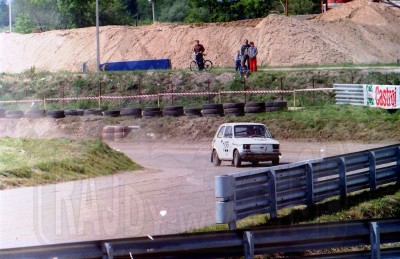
(360, 31)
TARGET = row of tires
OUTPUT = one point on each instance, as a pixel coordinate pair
(234, 109)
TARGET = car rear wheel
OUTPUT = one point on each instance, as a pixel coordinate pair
(275, 161)
(216, 160)
(237, 160)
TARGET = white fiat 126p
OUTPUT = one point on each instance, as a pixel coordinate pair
(251, 142)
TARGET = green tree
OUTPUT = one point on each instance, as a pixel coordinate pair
(176, 13)
(23, 23)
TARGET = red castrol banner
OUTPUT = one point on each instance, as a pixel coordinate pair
(382, 96)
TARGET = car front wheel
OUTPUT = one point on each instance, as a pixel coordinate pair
(216, 160)
(237, 160)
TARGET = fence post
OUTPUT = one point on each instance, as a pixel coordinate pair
(244, 89)
(108, 252)
(158, 100)
(281, 88)
(248, 243)
(342, 178)
(44, 103)
(309, 184)
(226, 208)
(172, 94)
(219, 97)
(375, 240)
(208, 90)
(372, 170)
(272, 194)
(294, 99)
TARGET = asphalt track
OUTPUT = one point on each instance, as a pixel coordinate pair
(174, 193)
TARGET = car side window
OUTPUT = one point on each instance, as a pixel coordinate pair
(221, 132)
(228, 132)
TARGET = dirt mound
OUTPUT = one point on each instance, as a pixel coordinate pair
(359, 32)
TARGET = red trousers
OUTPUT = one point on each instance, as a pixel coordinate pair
(253, 64)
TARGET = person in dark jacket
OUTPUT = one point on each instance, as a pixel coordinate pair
(244, 52)
(198, 50)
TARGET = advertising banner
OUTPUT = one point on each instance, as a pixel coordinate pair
(382, 96)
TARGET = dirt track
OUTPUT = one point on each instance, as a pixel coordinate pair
(175, 193)
(359, 32)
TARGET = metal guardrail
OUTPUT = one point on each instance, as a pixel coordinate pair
(270, 189)
(349, 94)
(249, 242)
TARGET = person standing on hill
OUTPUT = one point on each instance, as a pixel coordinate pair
(237, 61)
(198, 50)
(243, 52)
(252, 51)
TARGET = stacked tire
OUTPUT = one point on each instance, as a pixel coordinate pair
(112, 113)
(233, 109)
(35, 113)
(73, 112)
(132, 112)
(14, 114)
(254, 108)
(174, 111)
(93, 112)
(152, 112)
(195, 112)
(212, 110)
(57, 114)
(275, 106)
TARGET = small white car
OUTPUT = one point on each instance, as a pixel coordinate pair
(251, 142)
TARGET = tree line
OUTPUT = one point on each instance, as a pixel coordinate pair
(30, 15)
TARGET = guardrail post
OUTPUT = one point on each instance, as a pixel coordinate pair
(342, 178)
(375, 240)
(272, 194)
(309, 184)
(248, 244)
(108, 252)
(372, 170)
(226, 208)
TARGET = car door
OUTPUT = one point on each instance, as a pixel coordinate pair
(219, 142)
(227, 142)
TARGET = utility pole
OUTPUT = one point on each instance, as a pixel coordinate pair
(287, 8)
(9, 15)
(97, 38)
(152, 9)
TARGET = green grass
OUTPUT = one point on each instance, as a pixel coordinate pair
(28, 162)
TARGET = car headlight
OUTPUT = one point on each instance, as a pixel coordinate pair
(246, 146)
(275, 147)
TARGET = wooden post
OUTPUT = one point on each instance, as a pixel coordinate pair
(287, 8)
(244, 89)
(172, 93)
(281, 88)
(208, 90)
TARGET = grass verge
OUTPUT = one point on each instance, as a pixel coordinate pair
(28, 162)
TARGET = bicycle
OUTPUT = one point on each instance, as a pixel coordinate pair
(193, 65)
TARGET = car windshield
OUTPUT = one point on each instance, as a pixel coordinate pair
(251, 131)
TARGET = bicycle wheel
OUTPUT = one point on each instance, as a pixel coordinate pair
(207, 65)
(193, 66)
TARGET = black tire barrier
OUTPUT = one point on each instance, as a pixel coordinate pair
(91, 112)
(281, 104)
(132, 112)
(2, 113)
(73, 112)
(213, 106)
(212, 112)
(58, 114)
(173, 111)
(173, 108)
(35, 113)
(233, 105)
(151, 109)
(14, 114)
(152, 112)
(80, 112)
(254, 109)
(262, 105)
(112, 113)
(193, 112)
(234, 110)
(274, 109)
